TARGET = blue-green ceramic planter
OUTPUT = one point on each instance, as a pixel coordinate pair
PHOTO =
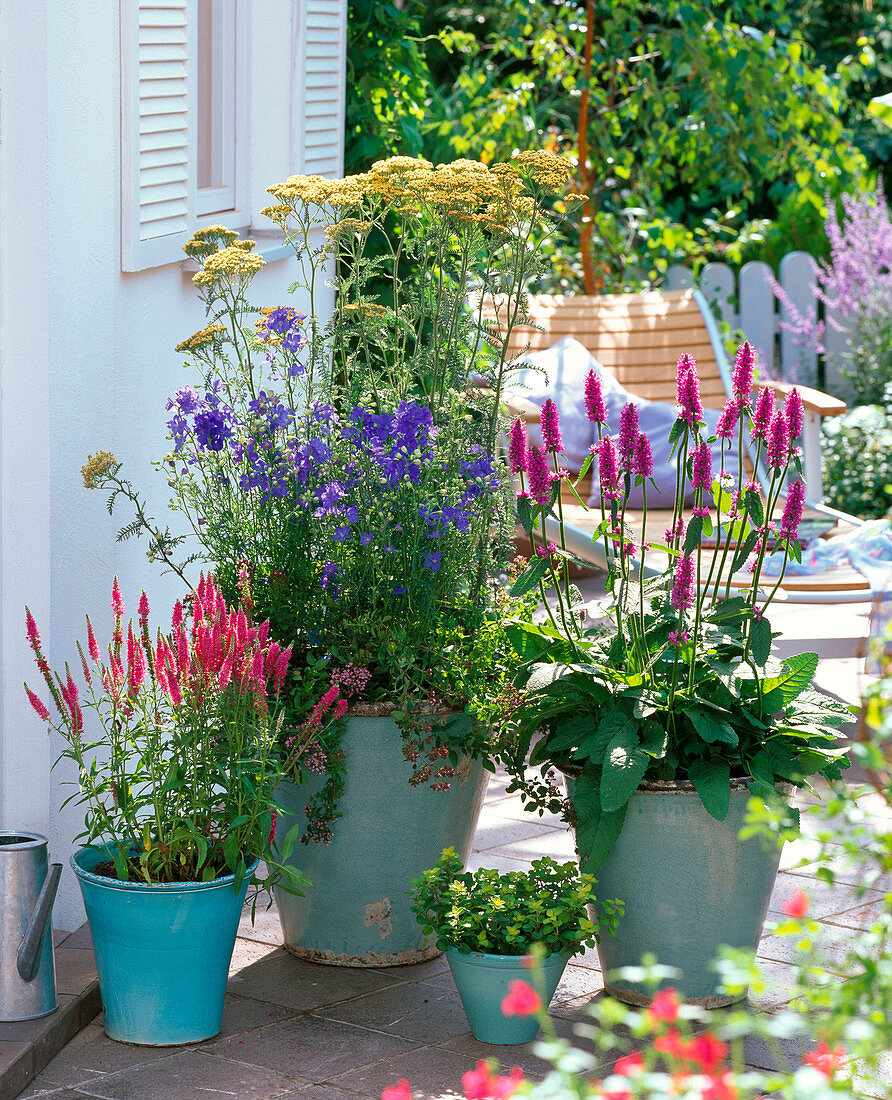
(162, 953)
(484, 981)
(689, 885)
(358, 910)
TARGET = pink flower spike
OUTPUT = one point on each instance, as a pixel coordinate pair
(281, 669)
(792, 516)
(608, 467)
(540, 482)
(762, 413)
(551, 430)
(644, 461)
(682, 596)
(92, 644)
(701, 467)
(36, 702)
(595, 408)
(517, 447)
(744, 364)
(687, 385)
(522, 1000)
(728, 419)
(794, 413)
(117, 602)
(628, 436)
(778, 442)
(143, 609)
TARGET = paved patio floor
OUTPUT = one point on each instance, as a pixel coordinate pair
(296, 1029)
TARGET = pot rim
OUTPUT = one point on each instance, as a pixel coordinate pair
(155, 887)
(501, 960)
(679, 786)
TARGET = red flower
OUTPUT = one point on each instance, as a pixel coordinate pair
(522, 1000)
(707, 1051)
(796, 906)
(826, 1060)
(665, 1005)
(482, 1084)
(720, 1087)
(402, 1090)
(629, 1064)
(671, 1043)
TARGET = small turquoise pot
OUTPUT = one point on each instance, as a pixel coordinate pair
(483, 982)
(162, 952)
(358, 909)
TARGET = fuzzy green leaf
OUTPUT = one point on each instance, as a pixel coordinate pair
(760, 640)
(712, 781)
(710, 727)
(624, 766)
(596, 829)
(530, 577)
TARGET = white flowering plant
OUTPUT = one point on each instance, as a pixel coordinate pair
(672, 676)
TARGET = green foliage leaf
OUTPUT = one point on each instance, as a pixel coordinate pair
(712, 782)
(760, 640)
(711, 727)
(530, 577)
(596, 828)
(625, 763)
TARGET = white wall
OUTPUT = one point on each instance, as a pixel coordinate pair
(87, 361)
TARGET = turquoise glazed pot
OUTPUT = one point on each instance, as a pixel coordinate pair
(162, 952)
(484, 981)
(358, 910)
(689, 885)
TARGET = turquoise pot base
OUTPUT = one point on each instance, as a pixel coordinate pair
(162, 953)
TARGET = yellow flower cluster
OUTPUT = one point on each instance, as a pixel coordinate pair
(204, 242)
(202, 339)
(98, 465)
(548, 170)
(237, 261)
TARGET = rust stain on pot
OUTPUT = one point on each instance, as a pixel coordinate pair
(378, 913)
(370, 959)
(641, 1000)
(463, 770)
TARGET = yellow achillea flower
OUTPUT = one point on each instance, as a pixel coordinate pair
(204, 338)
(399, 164)
(310, 189)
(548, 170)
(236, 261)
(98, 465)
(204, 242)
(279, 214)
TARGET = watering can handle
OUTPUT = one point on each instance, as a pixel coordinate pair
(28, 959)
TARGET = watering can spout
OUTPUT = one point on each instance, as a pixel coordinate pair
(28, 958)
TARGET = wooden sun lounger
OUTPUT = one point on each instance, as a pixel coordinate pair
(639, 338)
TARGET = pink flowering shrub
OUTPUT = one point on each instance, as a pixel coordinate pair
(674, 678)
(179, 784)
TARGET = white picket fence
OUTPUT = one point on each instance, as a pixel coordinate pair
(746, 301)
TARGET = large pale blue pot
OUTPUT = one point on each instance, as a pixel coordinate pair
(162, 952)
(689, 885)
(358, 910)
(483, 982)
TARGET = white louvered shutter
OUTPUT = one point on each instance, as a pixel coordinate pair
(323, 35)
(157, 145)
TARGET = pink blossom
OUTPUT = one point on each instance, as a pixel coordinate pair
(677, 637)
(701, 467)
(700, 510)
(42, 712)
(608, 468)
(728, 419)
(825, 1060)
(274, 821)
(281, 669)
(143, 609)
(744, 364)
(794, 413)
(628, 436)
(687, 384)
(481, 1083)
(778, 442)
(540, 482)
(402, 1090)
(595, 409)
(522, 999)
(682, 596)
(117, 602)
(644, 462)
(796, 906)
(674, 535)
(762, 414)
(551, 431)
(665, 1006)
(792, 516)
(517, 446)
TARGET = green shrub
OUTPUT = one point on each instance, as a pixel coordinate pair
(856, 460)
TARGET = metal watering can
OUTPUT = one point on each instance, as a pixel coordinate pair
(27, 892)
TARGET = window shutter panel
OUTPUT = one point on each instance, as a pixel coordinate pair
(323, 35)
(156, 139)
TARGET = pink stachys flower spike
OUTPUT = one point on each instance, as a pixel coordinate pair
(143, 609)
(794, 413)
(682, 596)
(281, 670)
(792, 516)
(537, 471)
(744, 365)
(42, 712)
(687, 388)
(551, 428)
(701, 467)
(608, 467)
(595, 408)
(728, 419)
(763, 412)
(778, 442)
(92, 644)
(628, 436)
(644, 459)
(517, 447)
